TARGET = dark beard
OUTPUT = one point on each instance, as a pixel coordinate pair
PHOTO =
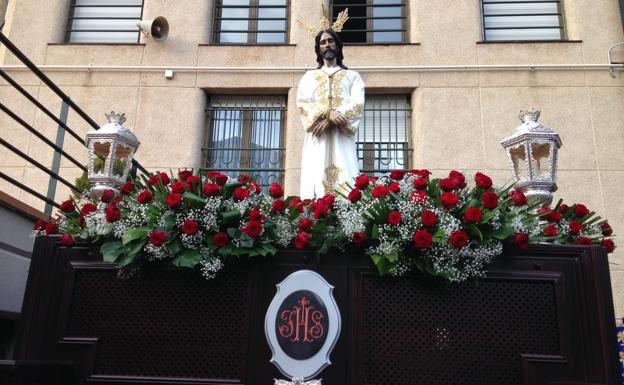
(329, 54)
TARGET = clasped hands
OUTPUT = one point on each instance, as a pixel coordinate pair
(333, 119)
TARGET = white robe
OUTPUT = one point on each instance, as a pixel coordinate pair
(329, 162)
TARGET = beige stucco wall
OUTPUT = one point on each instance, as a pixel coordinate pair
(458, 117)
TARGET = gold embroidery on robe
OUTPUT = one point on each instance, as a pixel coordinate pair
(331, 177)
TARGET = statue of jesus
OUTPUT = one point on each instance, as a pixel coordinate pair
(330, 100)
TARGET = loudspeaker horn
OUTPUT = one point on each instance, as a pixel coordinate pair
(157, 28)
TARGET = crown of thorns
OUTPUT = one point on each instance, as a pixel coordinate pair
(324, 22)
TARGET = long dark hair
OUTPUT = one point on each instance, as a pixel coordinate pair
(317, 48)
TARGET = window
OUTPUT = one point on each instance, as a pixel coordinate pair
(104, 21)
(245, 136)
(250, 21)
(383, 136)
(522, 20)
(372, 21)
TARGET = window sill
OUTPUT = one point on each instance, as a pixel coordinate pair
(131, 44)
(246, 45)
(528, 41)
(376, 44)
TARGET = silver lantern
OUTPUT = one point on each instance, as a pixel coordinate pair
(111, 149)
(532, 152)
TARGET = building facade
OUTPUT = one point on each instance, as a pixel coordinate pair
(445, 82)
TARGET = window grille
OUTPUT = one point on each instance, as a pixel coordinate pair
(245, 137)
(522, 20)
(383, 138)
(104, 21)
(372, 21)
(251, 21)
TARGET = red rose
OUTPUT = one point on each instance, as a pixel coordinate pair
(397, 174)
(127, 188)
(394, 218)
(428, 218)
(220, 179)
(421, 173)
(178, 187)
(458, 239)
(329, 199)
(305, 224)
(448, 184)
(373, 179)
(68, 206)
(256, 215)
(575, 227)
(253, 228)
(549, 215)
(244, 179)
(321, 208)
(240, 194)
(394, 187)
(173, 200)
(39, 225)
(153, 179)
(157, 238)
(518, 198)
(458, 177)
(418, 197)
(473, 215)
(563, 208)
(583, 241)
(420, 183)
(422, 239)
(276, 191)
(580, 210)
(551, 230)
(193, 180)
(164, 178)
(107, 195)
(380, 191)
(490, 200)
(606, 229)
(358, 237)
(184, 175)
(112, 213)
(449, 200)
(294, 202)
(87, 209)
(483, 181)
(220, 239)
(521, 240)
(211, 189)
(608, 244)
(67, 240)
(212, 174)
(278, 206)
(51, 228)
(190, 227)
(361, 182)
(255, 187)
(302, 240)
(355, 195)
(144, 197)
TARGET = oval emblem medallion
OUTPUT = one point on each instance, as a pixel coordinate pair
(302, 324)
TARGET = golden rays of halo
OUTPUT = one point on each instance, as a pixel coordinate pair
(324, 22)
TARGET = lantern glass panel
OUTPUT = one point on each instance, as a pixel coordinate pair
(120, 160)
(541, 160)
(518, 157)
(102, 152)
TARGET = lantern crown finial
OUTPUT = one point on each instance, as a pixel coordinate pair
(530, 115)
(116, 118)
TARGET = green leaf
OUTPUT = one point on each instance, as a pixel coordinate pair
(226, 250)
(392, 257)
(111, 250)
(503, 233)
(188, 258)
(135, 246)
(474, 231)
(193, 199)
(174, 245)
(232, 216)
(131, 235)
(168, 222)
(375, 232)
